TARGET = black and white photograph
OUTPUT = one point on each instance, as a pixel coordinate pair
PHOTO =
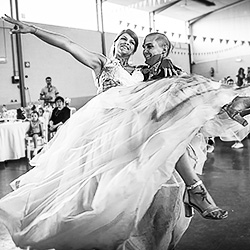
(124, 125)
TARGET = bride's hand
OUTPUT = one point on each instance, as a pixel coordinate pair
(19, 27)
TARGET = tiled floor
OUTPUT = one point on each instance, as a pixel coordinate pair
(227, 177)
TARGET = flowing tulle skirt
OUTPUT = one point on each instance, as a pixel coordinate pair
(107, 179)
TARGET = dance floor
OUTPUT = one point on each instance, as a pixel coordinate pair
(226, 176)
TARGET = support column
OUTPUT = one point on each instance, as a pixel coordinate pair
(20, 60)
(190, 46)
(152, 21)
(100, 25)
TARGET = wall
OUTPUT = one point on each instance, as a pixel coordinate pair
(226, 47)
(69, 76)
(8, 91)
(219, 50)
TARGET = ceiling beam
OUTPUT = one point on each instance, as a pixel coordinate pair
(159, 10)
(206, 2)
(194, 20)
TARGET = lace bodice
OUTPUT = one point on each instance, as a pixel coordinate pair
(113, 74)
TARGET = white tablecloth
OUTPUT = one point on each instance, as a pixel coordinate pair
(12, 140)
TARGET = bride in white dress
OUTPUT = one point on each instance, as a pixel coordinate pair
(97, 181)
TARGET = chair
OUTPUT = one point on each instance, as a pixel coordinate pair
(30, 146)
(72, 110)
(51, 135)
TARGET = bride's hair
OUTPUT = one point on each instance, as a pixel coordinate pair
(132, 34)
(126, 31)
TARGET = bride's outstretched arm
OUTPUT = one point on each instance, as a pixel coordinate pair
(90, 59)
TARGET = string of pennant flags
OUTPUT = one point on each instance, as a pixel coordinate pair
(179, 51)
(192, 37)
(221, 40)
(209, 53)
(211, 39)
(146, 3)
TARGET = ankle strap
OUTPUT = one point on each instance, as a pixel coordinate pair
(193, 186)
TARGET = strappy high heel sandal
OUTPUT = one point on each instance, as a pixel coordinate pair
(197, 197)
(238, 108)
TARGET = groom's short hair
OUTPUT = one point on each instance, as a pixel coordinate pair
(162, 40)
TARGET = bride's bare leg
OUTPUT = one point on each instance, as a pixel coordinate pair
(196, 195)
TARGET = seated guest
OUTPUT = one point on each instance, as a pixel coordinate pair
(29, 109)
(67, 104)
(60, 115)
(21, 114)
(35, 129)
(4, 111)
(41, 114)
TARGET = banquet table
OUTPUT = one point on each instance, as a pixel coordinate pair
(12, 140)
